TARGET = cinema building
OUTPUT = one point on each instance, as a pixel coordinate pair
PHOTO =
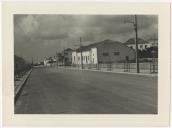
(107, 51)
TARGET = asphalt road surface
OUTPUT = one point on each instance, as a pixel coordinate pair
(66, 91)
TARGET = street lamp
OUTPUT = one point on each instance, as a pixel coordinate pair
(136, 40)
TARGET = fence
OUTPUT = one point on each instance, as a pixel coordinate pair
(149, 67)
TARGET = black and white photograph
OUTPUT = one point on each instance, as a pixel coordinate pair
(85, 64)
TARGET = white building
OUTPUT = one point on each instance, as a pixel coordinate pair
(89, 56)
(142, 44)
(102, 52)
(46, 62)
(50, 61)
(153, 42)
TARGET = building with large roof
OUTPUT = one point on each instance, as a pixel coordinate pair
(107, 51)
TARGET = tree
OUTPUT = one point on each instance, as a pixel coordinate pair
(20, 65)
(149, 53)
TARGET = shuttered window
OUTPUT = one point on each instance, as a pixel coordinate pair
(116, 53)
(105, 54)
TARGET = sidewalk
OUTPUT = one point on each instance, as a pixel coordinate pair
(18, 85)
(121, 71)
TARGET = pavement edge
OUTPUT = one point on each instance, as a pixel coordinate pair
(18, 90)
(131, 73)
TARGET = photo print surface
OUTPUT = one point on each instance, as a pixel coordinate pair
(85, 64)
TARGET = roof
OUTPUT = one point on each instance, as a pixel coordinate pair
(132, 41)
(95, 45)
(152, 39)
(68, 49)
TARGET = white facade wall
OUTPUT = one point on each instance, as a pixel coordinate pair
(93, 53)
(46, 63)
(85, 57)
(74, 57)
(88, 57)
(78, 57)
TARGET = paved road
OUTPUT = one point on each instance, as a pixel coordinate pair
(60, 91)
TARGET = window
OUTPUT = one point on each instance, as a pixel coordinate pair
(105, 54)
(88, 57)
(126, 58)
(145, 46)
(131, 46)
(74, 58)
(116, 53)
(140, 46)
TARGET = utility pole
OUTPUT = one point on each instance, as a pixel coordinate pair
(81, 53)
(154, 49)
(32, 62)
(57, 59)
(153, 54)
(64, 57)
(136, 41)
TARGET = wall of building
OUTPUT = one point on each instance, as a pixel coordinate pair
(154, 43)
(86, 57)
(114, 52)
(68, 57)
(46, 63)
(89, 57)
(140, 46)
(74, 58)
(93, 56)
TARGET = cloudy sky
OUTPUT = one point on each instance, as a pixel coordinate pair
(41, 36)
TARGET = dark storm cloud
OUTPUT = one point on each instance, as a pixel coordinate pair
(39, 31)
(52, 36)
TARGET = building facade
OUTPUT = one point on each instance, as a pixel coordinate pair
(67, 56)
(107, 51)
(49, 61)
(153, 42)
(142, 44)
